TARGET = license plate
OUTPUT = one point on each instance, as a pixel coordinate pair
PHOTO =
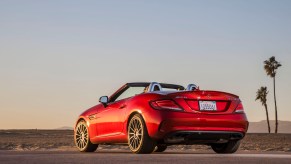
(207, 105)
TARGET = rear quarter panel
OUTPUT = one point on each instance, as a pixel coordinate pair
(140, 104)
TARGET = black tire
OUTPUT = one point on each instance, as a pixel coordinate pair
(226, 148)
(160, 148)
(139, 141)
(82, 139)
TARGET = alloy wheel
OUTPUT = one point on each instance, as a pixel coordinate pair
(81, 136)
(135, 133)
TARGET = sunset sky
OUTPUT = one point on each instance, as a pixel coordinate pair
(58, 57)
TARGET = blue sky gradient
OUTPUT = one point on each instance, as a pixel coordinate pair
(58, 57)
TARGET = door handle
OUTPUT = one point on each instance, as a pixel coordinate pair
(122, 106)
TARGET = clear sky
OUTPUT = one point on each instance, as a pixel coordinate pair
(58, 57)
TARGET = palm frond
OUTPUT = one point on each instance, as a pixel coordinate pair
(262, 95)
(271, 66)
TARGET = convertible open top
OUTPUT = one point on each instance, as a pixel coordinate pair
(163, 85)
(149, 116)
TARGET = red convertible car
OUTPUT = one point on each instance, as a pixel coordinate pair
(151, 116)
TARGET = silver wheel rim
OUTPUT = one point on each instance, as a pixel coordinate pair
(135, 133)
(81, 136)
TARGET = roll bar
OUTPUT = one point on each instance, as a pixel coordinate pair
(191, 87)
(153, 86)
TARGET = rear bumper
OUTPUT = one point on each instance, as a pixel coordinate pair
(201, 137)
(166, 124)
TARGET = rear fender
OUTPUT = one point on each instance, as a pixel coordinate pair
(140, 105)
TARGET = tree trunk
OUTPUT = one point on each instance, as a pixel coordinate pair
(276, 113)
(267, 114)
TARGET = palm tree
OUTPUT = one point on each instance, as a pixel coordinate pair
(271, 67)
(262, 96)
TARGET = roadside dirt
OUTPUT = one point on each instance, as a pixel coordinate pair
(21, 140)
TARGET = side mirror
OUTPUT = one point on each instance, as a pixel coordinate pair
(103, 100)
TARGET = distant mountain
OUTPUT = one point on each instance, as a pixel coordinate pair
(262, 127)
(65, 128)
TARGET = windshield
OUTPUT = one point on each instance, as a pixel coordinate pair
(131, 91)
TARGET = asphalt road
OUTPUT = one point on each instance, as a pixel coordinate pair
(120, 157)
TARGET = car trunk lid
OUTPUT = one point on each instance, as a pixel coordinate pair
(203, 101)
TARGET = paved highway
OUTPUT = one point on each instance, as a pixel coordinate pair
(120, 157)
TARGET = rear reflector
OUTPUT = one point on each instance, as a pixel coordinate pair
(165, 104)
(239, 108)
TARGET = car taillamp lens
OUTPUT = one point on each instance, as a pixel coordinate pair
(165, 104)
(239, 108)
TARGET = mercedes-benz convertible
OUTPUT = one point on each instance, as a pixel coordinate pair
(149, 117)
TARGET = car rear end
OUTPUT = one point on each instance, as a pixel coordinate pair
(200, 117)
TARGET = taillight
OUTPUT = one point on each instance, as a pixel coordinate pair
(165, 104)
(239, 108)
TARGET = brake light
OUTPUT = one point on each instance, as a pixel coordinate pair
(239, 108)
(165, 104)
